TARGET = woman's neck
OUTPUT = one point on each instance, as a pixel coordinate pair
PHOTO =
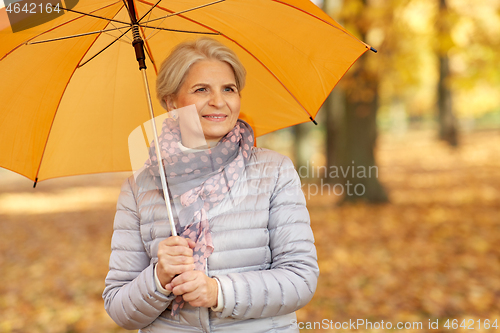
(212, 143)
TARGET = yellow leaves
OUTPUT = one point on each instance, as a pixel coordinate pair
(54, 251)
(479, 245)
(67, 200)
(432, 253)
(480, 297)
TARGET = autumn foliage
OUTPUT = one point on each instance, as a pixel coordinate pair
(431, 254)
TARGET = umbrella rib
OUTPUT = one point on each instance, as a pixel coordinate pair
(274, 75)
(95, 55)
(257, 59)
(95, 16)
(324, 21)
(126, 7)
(120, 31)
(147, 47)
(183, 11)
(149, 11)
(215, 32)
(150, 58)
(72, 36)
(42, 33)
(149, 16)
(124, 2)
(118, 38)
(85, 34)
(53, 119)
(176, 30)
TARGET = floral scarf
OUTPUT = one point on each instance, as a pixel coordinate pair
(201, 179)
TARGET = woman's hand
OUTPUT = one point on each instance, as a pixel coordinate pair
(196, 288)
(175, 256)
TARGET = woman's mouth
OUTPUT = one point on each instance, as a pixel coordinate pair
(215, 117)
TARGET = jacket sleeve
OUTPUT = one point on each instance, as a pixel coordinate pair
(130, 297)
(291, 281)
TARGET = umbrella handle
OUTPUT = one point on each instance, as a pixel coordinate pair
(158, 155)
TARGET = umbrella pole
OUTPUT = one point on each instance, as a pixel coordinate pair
(138, 45)
(158, 155)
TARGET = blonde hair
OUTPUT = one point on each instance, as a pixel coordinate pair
(174, 69)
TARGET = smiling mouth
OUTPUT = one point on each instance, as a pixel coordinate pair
(218, 117)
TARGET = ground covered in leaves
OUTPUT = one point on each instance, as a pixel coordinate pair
(430, 255)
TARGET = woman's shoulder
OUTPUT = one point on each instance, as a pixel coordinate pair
(268, 155)
(266, 158)
(139, 182)
(278, 169)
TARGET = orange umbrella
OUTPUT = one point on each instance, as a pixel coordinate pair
(71, 93)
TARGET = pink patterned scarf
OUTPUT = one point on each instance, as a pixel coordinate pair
(201, 179)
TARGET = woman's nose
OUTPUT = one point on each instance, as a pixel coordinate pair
(217, 100)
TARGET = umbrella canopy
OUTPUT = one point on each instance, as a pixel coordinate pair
(69, 105)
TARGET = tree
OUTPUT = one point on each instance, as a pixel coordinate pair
(351, 142)
(446, 117)
(300, 137)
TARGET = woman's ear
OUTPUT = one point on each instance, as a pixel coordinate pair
(169, 100)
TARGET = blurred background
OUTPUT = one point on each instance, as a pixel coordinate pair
(401, 175)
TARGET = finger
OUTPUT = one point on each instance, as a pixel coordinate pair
(184, 277)
(186, 282)
(174, 270)
(184, 288)
(176, 260)
(191, 243)
(176, 265)
(197, 294)
(175, 241)
(175, 250)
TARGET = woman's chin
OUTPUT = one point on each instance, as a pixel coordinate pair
(212, 138)
(216, 131)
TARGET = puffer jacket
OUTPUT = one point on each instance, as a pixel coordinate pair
(264, 256)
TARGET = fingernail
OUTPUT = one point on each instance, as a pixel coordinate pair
(168, 287)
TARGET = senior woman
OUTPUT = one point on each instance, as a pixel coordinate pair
(245, 259)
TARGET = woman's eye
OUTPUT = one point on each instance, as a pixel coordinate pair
(201, 89)
(229, 89)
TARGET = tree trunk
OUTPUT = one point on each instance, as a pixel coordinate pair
(446, 117)
(356, 157)
(352, 133)
(300, 135)
(334, 109)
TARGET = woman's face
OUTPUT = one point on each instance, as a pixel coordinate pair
(211, 86)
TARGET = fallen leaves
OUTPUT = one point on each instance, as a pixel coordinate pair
(66, 200)
(431, 254)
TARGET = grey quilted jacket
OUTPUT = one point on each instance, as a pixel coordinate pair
(264, 256)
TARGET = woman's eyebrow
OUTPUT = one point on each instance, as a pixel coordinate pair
(230, 84)
(196, 85)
